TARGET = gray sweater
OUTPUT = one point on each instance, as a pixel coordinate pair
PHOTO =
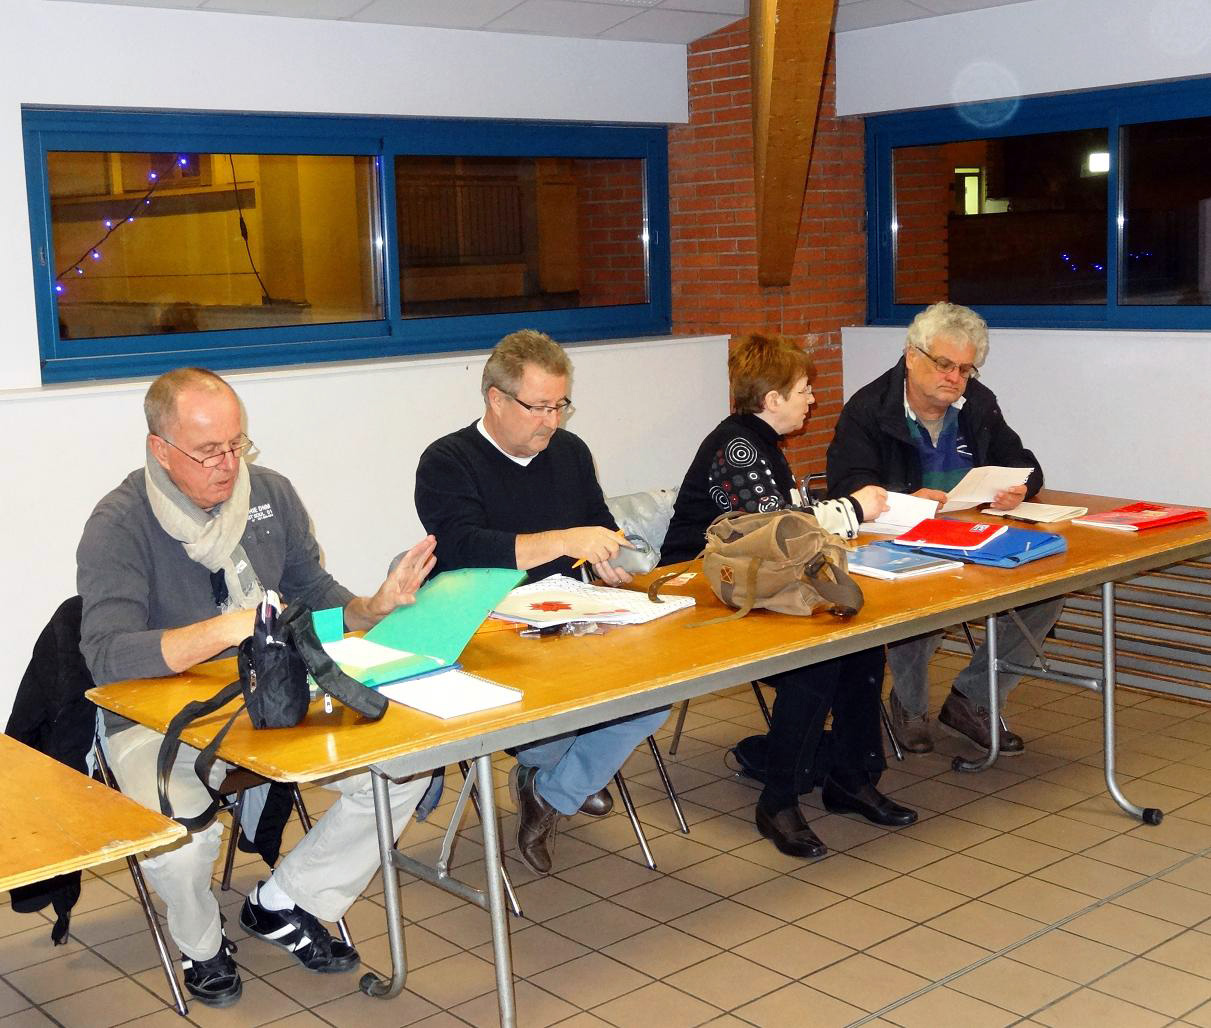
(137, 582)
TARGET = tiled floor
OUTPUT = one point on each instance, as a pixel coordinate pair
(1022, 896)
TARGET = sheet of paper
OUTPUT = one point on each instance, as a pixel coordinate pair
(903, 512)
(451, 693)
(981, 485)
(559, 599)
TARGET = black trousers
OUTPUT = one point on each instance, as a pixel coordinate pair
(851, 688)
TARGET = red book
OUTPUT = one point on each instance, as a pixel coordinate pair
(1135, 516)
(942, 534)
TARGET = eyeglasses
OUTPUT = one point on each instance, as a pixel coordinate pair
(544, 410)
(214, 460)
(946, 365)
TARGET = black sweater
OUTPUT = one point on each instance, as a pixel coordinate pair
(476, 501)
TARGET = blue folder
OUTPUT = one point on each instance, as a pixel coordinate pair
(1012, 548)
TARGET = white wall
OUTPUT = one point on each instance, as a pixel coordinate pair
(347, 435)
(1115, 413)
(1046, 46)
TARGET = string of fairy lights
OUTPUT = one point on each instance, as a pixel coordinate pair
(112, 225)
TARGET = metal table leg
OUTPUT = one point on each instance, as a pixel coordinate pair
(371, 984)
(496, 893)
(994, 705)
(1149, 815)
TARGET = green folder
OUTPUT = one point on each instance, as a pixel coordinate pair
(435, 629)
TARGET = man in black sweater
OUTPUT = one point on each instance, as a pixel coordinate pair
(515, 490)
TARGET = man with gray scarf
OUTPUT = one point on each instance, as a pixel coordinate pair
(171, 566)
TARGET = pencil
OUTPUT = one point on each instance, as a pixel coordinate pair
(584, 560)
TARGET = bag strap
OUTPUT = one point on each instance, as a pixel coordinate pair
(171, 744)
(328, 676)
(750, 584)
(844, 594)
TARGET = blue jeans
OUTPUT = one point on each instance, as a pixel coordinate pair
(908, 660)
(573, 766)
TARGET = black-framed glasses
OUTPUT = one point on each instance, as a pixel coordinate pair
(214, 460)
(946, 365)
(544, 410)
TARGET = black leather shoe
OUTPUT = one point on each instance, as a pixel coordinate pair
(598, 804)
(972, 721)
(789, 831)
(536, 820)
(868, 802)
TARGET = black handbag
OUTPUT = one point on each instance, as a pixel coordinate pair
(274, 671)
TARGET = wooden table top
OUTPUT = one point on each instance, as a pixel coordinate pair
(54, 819)
(570, 682)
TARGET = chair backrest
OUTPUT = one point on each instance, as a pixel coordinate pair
(645, 514)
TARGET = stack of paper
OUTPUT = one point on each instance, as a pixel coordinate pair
(881, 560)
(903, 512)
(560, 599)
(1037, 513)
(451, 693)
(981, 485)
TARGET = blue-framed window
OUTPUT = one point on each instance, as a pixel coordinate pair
(1084, 210)
(250, 240)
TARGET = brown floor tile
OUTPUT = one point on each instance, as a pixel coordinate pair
(1088, 1007)
(1123, 928)
(1012, 986)
(933, 795)
(1195, 874)
(1163, 989)
(11, 1000)
(658, 1004)
(913, 899)
(793, 951)
(260, 1004)
(1172, 902)
(984, 925)
(34, 946)
(1086, 875)
(1033, 897)
(546, 898)
(948, 832)
(104, 1005)
(62, 976)
(665, 898)
(535, 1008)
(727, 981)
(369, 1012)
(675, 851)
(993, 812)
(1186, 952)
(899, 853)
(1070, 956)
(843, 874)
(1136, 854)
(660, 951)
(927, 952)
(599, 924)
(726, 924)
(788, 1005)
(855, 924)
(447, 983)
(964, 874)
(607, 875)
(1068, 834)
(1176, 832)
(865, 982)
(945, 1008)
(725, 874)
(591, 980)
(787, 898)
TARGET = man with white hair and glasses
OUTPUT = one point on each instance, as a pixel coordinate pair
(919, 428)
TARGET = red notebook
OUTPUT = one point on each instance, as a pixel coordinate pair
(941, 534)
(1135, 516)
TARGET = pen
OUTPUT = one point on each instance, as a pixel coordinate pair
(537, 631)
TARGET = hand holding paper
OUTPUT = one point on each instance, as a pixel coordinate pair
(981, 485)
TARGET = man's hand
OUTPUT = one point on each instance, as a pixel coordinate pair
(873, 501)
(398, 588)
(188, 645)
(592, 544)
(611, 575)
(931, 494)
(1009, 498)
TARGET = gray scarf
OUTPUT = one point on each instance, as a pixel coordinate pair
(210, 539)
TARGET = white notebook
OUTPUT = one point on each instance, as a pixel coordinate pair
(559, 599)
(450, 693)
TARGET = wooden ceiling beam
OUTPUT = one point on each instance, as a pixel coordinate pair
(789, 44)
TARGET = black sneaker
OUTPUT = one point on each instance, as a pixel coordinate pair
(214, 982)
(299, 933)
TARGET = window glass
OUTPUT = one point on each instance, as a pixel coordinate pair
(1166, 255)
(1016, 220)
(182, 242)
(486, 235)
